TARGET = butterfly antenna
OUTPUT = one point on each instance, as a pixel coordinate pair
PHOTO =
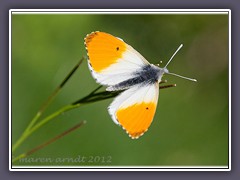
(174, 55)
(190, 79)
(167, 72)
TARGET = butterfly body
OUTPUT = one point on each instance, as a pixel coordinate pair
(118, 66)
(147, 75)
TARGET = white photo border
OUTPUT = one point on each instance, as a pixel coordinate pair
(119, 168)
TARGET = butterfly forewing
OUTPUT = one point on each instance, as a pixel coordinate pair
(111, 60)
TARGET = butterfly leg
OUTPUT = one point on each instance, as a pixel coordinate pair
(163, 81)
(167, 86)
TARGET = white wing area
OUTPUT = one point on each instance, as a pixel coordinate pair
(123, 69)
(135, 95)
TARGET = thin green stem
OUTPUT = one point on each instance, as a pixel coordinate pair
(92, 97)
(52, 96)
(19, 157)
(41, 146)
(41, 110)
(53, 115)
(44, 106)
(41, 123)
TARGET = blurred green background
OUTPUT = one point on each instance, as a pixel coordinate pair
(190, 126)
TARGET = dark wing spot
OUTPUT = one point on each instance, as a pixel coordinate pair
(117, 48)
(146, 108)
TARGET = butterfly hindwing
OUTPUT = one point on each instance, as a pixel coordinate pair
(134, 109)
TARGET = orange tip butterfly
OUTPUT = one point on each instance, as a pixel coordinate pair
(118, 66)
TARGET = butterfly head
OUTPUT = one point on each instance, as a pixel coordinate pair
(165, 70)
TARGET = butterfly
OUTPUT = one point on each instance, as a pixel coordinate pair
(120, 67)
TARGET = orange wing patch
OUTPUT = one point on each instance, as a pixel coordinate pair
(103, 50)
(137, 118)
